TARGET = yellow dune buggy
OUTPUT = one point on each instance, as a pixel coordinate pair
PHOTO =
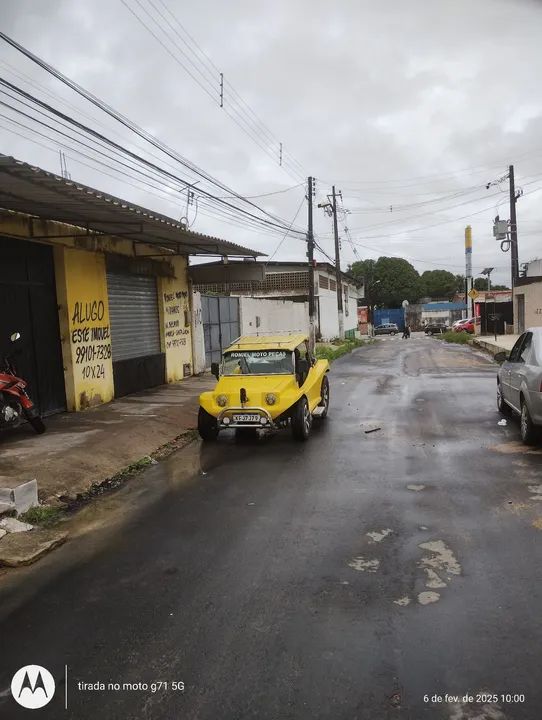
(266, 382)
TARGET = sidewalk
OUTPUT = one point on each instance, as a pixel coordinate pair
(80, 449)
(502, 343)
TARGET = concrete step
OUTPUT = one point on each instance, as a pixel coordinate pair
(20, 493)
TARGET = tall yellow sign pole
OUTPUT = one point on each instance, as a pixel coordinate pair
(468, 270)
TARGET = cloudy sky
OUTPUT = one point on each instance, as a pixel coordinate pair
(409, 108)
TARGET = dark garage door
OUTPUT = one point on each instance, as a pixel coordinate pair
(28, 305)
(220, 325)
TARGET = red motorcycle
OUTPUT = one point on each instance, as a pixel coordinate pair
(15, 404)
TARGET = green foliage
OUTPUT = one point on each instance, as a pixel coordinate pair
(481, 284)
(460, 283)
(439, 283)
(42, 515)
(460, 338)
(325, 352)
(388, 281)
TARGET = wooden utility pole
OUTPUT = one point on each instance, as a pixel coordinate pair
(338, 265)
(513, 229)
(310, 256)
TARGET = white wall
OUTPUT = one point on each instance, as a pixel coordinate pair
(534, 268)
(198, 341)
(329, 316)
(274, 315)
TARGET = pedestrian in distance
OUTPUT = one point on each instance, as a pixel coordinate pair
(406, 332)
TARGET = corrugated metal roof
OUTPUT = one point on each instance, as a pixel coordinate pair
(31, 190)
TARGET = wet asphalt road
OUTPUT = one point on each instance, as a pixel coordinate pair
(261, 589)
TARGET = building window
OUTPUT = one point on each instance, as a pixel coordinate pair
(333, 285)
(324, 284)
(345, 287)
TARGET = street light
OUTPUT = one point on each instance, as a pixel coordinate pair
(488, 271)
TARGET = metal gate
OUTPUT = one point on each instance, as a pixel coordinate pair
(220, 325)
(29, 306)
(138, 362)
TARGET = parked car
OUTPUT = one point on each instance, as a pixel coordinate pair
(266, 382)
(466, 325)
(435, 328)
(387, 329)
(519, 383)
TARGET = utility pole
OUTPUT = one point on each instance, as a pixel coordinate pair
(513, 229)
(310, 256)
(338, 265)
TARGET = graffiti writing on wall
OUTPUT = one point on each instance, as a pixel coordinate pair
(176, 319)
(90, 339)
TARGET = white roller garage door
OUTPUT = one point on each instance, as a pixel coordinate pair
(134, 317)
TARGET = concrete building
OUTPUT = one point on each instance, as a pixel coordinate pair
(289, 281)
(444, 313)
(97, 287)
(528, 298)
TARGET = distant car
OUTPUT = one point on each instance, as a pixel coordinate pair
(519, 383)
(435, 328)
(466, 325)
(387, 329)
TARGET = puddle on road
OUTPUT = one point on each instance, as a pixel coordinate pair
(362, 565)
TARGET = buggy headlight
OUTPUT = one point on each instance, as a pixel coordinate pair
(270, 398)
(222, 400)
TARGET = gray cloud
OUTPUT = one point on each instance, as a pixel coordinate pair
(370, 96)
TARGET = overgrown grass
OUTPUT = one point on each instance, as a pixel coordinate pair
(461, 338)
(326, 352)
(42, 515)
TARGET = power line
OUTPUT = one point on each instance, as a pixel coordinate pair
(288, 231)
(253, 130)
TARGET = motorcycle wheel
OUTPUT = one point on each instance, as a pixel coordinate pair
(37, 424)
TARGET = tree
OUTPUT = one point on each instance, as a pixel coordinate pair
(481, 284)
(399, 281)
(388, 281)
(438, 283)
(460, 283)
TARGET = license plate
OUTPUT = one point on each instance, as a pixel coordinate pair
(246, 418)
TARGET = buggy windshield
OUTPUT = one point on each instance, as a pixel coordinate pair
(258, 362)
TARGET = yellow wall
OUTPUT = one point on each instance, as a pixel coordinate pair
(174, 304)
(84, 327)
(84, 309)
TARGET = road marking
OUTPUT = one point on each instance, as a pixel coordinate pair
(426, 598)
(362, 565)
(402, 601)
(433, 580)
(442, 559)
(377, 536)
(416, 488)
